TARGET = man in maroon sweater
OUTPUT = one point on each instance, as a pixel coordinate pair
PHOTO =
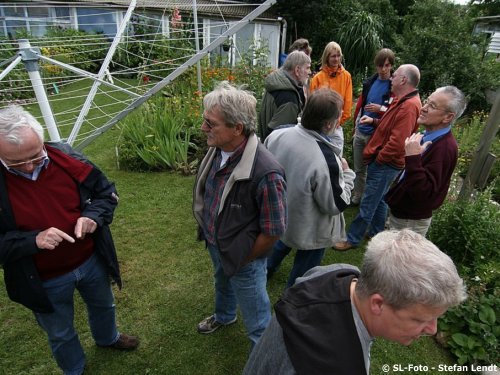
(55, 211)
(430, 159)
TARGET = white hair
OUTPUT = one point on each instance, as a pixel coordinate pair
(13, 120)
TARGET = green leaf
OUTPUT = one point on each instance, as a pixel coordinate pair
(460, 339)
(487, 315)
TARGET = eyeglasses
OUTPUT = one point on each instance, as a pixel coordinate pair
(433, 106)
(208, 123)
(35, 161)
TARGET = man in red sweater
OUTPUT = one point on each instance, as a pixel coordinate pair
(55, 211)
(384, 154)
(430, 159)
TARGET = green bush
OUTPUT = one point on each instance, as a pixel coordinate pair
(472, 329)
(468, 232)
(156, 137)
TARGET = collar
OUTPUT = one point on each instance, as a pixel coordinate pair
(433, 135)
(331, 71)
(292, 80)
(323, 138)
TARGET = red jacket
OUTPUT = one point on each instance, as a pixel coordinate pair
(387, 145)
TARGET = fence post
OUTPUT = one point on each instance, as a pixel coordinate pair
(481, 154)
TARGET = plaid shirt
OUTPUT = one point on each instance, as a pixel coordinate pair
(271, 197)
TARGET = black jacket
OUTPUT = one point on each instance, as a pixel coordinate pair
(318, 326)
(98, 200)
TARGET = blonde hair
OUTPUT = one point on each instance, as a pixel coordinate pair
(330, 47)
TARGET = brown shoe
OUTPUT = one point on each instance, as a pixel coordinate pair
(125, 342)
(343, 246)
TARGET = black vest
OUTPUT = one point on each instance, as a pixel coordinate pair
(318, 327)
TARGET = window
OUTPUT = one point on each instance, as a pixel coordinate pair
(97, 21)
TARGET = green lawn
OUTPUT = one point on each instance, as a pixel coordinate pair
(167, 290)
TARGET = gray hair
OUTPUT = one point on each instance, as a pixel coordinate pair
(457, 102)
(295, 58)
(412, 73)
(407, 269)
(323, 106)
(237, 106)
(13, 119)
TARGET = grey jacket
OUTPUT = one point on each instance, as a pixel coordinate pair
(317, 187)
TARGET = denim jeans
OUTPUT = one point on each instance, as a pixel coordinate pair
(92, 282)
(359, 142)
(372, 208)
(247, 288)
(303, 262)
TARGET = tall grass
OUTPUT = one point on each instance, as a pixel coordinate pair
(156, 137)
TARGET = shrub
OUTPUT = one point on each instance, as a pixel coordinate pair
(156, 137)
(468, 232)
(472, 329)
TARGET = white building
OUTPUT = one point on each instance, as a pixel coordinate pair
(214, 17)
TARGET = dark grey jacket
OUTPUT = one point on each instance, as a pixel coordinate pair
(282, 102)
(237, 224)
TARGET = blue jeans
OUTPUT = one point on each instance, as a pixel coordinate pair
(372, 208)
(92, 282)
(303, 262)
(359, 142)
(247, 288)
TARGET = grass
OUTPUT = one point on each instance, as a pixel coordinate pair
(167, 290)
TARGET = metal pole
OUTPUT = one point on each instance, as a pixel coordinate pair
(30, 59)
(101, 74)
(197, 44)
(12, 65)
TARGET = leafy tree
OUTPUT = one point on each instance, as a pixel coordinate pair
(485, 7)
(323, 21)
(360, 38)
(437, 37)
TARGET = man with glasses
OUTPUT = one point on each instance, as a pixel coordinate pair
(430, 159)
(239, 202)
(55, 208)
(327, 322)
(385, 155)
